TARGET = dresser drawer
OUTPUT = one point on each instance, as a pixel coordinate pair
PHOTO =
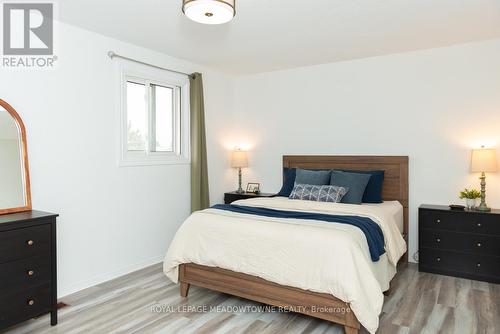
(24, 274)
(490, 224)
(24, 305)
(456, 262)
(25, 242)
(463, 242)
(460, 221)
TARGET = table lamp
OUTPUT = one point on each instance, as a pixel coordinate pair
(239, 160)
(483, 160)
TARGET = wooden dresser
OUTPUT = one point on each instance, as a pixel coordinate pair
(459, 243)
(28, 283)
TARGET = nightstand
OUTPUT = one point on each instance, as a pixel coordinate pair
(459, 243)
(234, 196)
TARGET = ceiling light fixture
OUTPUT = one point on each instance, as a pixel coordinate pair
(209, 11)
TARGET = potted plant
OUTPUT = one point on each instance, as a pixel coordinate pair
(470, 197)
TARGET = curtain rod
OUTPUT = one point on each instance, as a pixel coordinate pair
(112, 54)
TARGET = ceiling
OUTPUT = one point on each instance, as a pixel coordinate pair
(270, 35)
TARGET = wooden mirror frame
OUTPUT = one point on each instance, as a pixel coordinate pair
(24, 147)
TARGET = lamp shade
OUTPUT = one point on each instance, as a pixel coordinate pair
(209, 11)
(484, 160)
(239, 159)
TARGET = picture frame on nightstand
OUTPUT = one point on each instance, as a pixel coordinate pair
(253, 187)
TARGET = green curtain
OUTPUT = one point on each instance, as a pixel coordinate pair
(199, 170)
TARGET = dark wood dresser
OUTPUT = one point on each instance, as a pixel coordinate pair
(232, 196)
(28, 273)
(459, 243)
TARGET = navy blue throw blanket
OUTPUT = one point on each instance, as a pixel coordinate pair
(372, 230)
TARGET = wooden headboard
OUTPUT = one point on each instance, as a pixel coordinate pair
(395, 185)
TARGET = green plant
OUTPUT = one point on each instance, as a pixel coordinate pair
(470, 194)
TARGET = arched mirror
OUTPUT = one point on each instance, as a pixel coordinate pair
(15, 194)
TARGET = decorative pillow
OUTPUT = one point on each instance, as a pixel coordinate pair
(355, 182)
(288, 182)
(316, 177)
(373, 191)
(318, 193)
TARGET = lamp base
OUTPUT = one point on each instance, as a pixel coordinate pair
(482, 209)
(240, 189)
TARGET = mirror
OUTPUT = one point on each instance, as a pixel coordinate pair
(15, 195)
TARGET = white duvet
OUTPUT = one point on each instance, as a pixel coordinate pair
(306, 254)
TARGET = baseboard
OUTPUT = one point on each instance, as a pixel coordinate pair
(65, 290)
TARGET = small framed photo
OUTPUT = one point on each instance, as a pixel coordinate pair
(253, 188)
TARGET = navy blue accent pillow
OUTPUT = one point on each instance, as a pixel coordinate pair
(288, 182)
(373, 191)
(355, 182)
(314, 177)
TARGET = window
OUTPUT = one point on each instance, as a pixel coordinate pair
(154, 116)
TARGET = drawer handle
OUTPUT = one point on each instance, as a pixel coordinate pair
(30, 273)
(31, 302)
(438, 240)
(438, 259)
(30, 242)
(479, 244)
(478, 265)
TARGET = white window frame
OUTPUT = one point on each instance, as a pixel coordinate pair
(142, 74)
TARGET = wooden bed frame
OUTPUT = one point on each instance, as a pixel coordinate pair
(319, 305)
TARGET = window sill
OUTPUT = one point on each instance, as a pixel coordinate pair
(137, 163)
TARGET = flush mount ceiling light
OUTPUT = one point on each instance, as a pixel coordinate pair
(209, 11)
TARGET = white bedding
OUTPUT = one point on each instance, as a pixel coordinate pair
(394, 208)
(310, 255)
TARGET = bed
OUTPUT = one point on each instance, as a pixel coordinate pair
(271, 260)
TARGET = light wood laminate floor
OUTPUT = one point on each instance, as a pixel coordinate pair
(418, 303)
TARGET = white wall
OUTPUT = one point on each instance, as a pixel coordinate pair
(112, 220)
(431, 105)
